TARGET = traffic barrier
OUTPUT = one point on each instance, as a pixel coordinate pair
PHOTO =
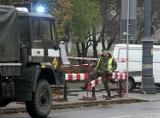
(76, 76)
(84, 76)
(121, 60)
(94, 59)
(77, 65)
(95, 82)
(118, 76)
(84, 58)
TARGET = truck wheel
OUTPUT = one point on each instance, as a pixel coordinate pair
(41, 102)
(131, 84)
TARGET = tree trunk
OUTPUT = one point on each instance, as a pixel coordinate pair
(103, 32)
(78, 51)
(94, 44)
(84, 52)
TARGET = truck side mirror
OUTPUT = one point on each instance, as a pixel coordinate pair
(55, 47)
(67, 32)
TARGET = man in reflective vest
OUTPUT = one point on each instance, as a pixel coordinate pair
(104, 66)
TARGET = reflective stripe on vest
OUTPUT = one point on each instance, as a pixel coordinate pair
(109, 63)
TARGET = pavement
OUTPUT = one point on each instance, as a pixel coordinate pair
(77, 98)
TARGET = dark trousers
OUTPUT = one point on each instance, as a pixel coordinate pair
(94, 75)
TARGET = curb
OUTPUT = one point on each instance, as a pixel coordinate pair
(96, 103)
(75, 105)
(12, 110)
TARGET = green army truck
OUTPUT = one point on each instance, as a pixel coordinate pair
(29, 60)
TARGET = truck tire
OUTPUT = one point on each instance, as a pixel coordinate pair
(40, 105)
(131, 84)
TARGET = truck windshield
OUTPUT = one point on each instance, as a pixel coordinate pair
(42, 29)
(46, 30)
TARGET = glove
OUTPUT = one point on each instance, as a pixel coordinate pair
(110, 71)
(92, 65)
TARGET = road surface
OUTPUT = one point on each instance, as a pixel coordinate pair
(136, 110)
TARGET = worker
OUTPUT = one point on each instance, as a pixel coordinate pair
(103, 67)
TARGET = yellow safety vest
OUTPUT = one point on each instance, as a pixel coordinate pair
(109, 63)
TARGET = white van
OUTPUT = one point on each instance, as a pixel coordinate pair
(135, 63)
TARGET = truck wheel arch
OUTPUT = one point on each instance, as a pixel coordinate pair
(46, 72)
(30, 75)
(48, 75)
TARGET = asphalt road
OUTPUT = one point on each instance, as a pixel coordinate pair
(136, 110)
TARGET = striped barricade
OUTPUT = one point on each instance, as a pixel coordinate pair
(76, 76)
(116, 76)
(93, 59)
(119, 75)
(78, 65)
(95, 82)
(84, 76)
(89, 64)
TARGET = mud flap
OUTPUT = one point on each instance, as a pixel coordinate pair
(25, 84)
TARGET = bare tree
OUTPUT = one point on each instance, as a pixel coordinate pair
(140, 18)
(110, 10)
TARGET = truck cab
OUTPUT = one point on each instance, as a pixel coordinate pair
(37, 34)
(30, 59)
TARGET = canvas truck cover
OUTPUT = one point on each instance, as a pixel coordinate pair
(9, 36)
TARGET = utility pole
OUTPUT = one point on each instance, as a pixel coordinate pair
(147, 85)
(128, 27)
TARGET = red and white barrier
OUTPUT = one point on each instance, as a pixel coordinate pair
(119, 75)
(121, 60)
(84, 76)
(78, 65)
(76, 76)
(116, 76)
(89, 58)
(84, 58)
(95, 82)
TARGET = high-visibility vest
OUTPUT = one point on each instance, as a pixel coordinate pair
(109, 63)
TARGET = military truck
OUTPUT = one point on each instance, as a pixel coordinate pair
(29, 60)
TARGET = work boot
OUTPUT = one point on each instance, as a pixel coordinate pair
(108, 98)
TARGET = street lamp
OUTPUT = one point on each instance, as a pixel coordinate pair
(147, 85)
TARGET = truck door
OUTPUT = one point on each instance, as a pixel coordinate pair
(44, 47)
(51, 50)
(37, 50)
